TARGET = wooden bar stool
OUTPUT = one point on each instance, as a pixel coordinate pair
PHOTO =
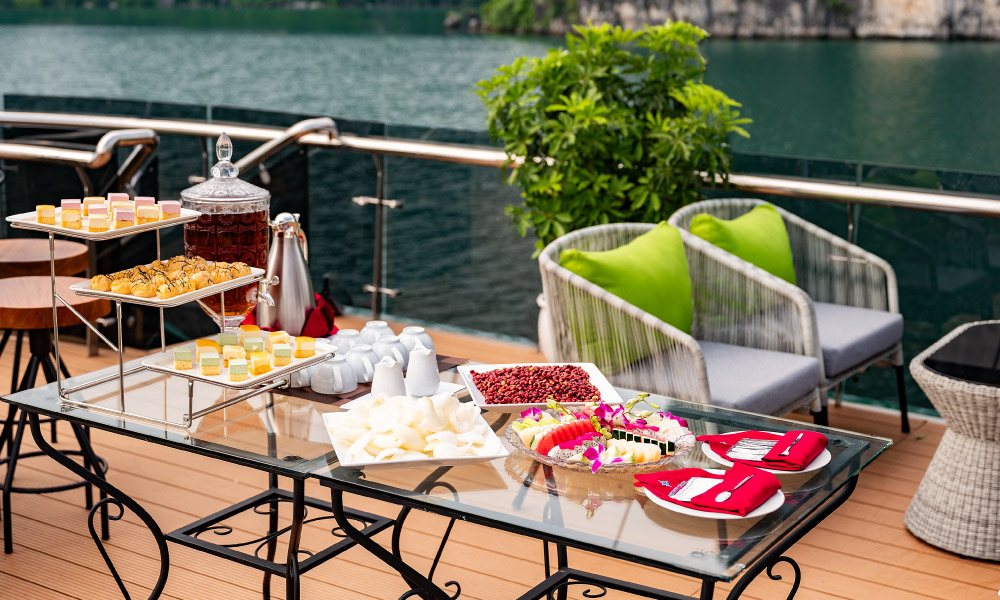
(22, 257)
(26, 306)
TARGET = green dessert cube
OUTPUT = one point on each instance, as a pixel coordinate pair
(210, 359)
(238, 366)
(229, 338)
(253, 345)
(282, 350)
(182, 354)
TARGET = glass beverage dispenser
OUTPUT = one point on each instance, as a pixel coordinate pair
(233, 227)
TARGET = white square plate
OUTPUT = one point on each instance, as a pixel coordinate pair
(597, 379)
(330, 419)
(164, 363)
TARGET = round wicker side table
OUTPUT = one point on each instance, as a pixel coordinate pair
(957, 506)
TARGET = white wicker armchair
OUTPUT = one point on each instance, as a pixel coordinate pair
(639, 351)
(838, 277)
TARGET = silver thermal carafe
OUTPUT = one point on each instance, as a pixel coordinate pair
(293, 294)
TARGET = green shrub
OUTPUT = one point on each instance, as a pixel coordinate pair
(617, 127)
(509, 15)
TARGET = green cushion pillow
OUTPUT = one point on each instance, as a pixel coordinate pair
(758, 237)
(650, 272)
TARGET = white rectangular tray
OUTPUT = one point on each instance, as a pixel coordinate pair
(608, 393)
(83, 289)
(405, 463)
(165, 364)
(28, 221)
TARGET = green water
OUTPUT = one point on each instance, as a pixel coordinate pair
(919, 103)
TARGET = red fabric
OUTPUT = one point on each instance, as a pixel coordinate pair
(803, 452)
(761, 486)
(319, 320)
(743, 501)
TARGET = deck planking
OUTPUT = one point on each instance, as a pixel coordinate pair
(862, 551)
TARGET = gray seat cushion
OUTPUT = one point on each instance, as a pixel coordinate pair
(851, 336)
(758, 381)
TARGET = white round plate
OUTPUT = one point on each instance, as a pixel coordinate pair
(819, 462)
(769, 506)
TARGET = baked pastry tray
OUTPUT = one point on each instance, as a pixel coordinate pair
(83, 289)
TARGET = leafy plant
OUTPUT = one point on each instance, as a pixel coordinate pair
(615, 127)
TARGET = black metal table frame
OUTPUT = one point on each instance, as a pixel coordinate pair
(297, 561)
(555, 584)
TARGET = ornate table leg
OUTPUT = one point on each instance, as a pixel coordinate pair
(421, 586)
(116, 498)
(774, 556)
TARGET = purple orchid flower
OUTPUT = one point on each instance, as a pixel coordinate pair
(593, 454)
(531, 412)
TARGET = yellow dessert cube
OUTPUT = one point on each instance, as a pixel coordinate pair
(147, 214)
(260, 363)
(89, 203)
(248, 331)
(45, 214)
(238, 370)
(276, 337)
(205, 346)
(210, 363)
(232, 352)
(303, 347)
(69, 218)
(97, 223)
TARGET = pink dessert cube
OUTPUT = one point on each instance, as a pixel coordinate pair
(144, 201)
(170, 208)
(70, 204)
(98, 209)
(118, 197)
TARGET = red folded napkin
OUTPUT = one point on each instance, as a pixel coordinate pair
(802, 453)
(745, 500)
(319, 320)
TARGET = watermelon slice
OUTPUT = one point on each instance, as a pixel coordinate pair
(563, 433)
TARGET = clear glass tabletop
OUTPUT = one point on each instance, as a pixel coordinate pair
(607, 514)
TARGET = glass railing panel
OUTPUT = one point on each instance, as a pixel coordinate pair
(451, 249)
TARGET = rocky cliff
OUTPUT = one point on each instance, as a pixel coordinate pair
(921, 19)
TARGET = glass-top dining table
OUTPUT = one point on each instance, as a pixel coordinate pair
(283, 433)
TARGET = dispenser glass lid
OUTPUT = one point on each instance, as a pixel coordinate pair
(224, 184)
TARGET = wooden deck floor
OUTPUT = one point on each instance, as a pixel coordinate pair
(861, 552)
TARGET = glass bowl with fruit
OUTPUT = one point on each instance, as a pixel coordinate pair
(601, 438)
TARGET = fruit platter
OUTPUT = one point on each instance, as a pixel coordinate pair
(601, 438)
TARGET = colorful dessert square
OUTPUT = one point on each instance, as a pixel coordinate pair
(183, 358)
(260, 363)
(303, 347)
(282, 354)
(253, 344)
(276, 337)
(210, 362)
(239, 369)
(45, 214)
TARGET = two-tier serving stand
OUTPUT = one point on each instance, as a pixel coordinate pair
(277, 378)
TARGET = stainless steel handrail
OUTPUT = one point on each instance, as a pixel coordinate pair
(971, 204)
(90, 159)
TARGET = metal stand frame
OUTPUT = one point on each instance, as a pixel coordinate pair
(122, 411)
